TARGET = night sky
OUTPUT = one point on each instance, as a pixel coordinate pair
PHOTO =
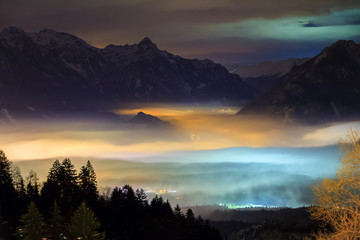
(227, 31)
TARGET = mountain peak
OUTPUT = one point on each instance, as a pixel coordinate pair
(146, 43)
(146, 40)
(149, 120)
(344, 43)
(344, 46)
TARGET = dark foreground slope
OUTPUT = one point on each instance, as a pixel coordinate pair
(114, 214)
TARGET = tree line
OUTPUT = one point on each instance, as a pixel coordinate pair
(68, 206)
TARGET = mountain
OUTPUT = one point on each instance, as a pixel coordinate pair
(148, 120)
(326, 87)
(54, 72)
(266, 75)
(231, 66)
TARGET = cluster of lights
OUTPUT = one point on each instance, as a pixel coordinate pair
(161, 191)
(235, 206)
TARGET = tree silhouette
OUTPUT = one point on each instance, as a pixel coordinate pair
(32, 186)
(190, 215)
(141, 198)
(32, 223)
(56, 224)
(50, 191)
(18, 181)
(160, 208)
(337, 199)
(84, 225)
(177, 211)
(126, 214)
(61, 185)
(67, 179)
(88, 184)
(7, 190)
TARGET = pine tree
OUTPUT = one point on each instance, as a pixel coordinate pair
(190, 215)
(32, 186)
(88, 184)
(32, 222)
(5, 169)
(7, 190)
(54, 172)
(18, 182)
(160, 208)
(67, 174)
(50, 191)
(141, 197)
(68, 186)
(177, 211)
(84, 225)
(61, 185)
(56, 229)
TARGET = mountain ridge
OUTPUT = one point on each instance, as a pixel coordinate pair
(61, 72)
(326, 86)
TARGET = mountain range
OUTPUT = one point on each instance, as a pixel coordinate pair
(55, 72)
(323, 88)
(50, 73)
(263, 76)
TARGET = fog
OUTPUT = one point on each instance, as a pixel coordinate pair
(208, 156)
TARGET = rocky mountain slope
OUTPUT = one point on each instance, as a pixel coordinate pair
(56, 71)
(266, 75)
(324, 87)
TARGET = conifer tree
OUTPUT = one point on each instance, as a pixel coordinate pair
(88, 184)
(177, 211)
(67, 178)
(141, 197)
(54, 172)
(5, 169)
(68, 186)
(67, 175)
(84, 224)
(50, 191)
(190, 215)
(31, 224)
(18, 182)
(56, 229)
(7, 190)
(32, 186)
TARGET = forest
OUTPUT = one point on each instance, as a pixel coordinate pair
(68, 205)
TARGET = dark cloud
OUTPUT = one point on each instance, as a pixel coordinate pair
(129, 20)
(177, 25)
(310, 24)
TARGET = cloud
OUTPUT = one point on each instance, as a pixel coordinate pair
(196, 128)
(310, 24)
(334, 26)
(339, 18)
(205, 183)
(218, 167)
(119, 22)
